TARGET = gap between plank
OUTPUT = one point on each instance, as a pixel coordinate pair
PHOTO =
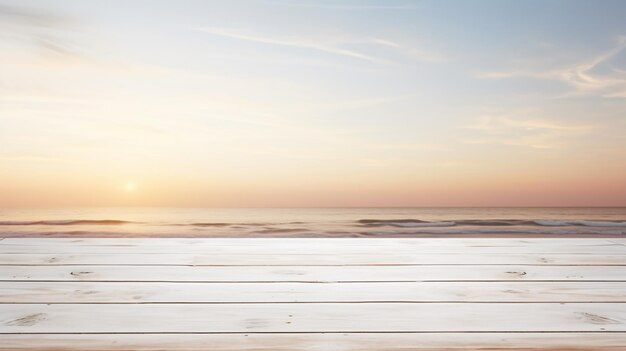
(307, 302)
(316, 265)
(309, 281)
(329, 332)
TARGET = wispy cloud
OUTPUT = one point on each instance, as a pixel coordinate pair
(37, 28)
(582, 76)
(534, 133)
(341, 45)
(295, 42)
(417, 52)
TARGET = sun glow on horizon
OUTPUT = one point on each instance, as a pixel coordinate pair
(130, 186)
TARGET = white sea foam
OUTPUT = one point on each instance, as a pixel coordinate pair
(419, 224)
(557, 223)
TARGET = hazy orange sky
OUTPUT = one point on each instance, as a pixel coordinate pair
(312, 103)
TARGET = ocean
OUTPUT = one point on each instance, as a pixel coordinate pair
(313, 222)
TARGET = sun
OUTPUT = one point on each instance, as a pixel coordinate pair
(130, 186)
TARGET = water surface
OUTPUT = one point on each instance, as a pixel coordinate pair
(313, 222)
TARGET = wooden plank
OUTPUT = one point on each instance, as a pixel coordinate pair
(315, 242)
(612, 249)
(311, 273)
(87, 292)
(289, 259)
(318, 342)
(311, 317)
(534, 322)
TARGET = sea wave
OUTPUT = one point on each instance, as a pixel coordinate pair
(553, 223)
(208, 224)
(69, 222)
(499, 231)
(488, 223)
(281, 230)
(234, 225)
(404, 223)
(120, 222)
(344, 227)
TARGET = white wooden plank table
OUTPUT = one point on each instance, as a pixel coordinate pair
(312, 294)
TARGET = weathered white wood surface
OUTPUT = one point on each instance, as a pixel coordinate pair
(318, 342)
(289, 259)
(331, 242)
(312, 317)
(312, 273)
(614, 249)
(86, 292)
(302, 246)
(312, 294)
(308, 246)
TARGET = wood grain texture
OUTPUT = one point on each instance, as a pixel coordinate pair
(302, 247)
(318, 342)
(312, 317)
(312, 273)
(315, 242)
(87, 292)
(288, 259)
(312, 294)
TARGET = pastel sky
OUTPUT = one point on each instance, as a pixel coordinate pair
(312, 103)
